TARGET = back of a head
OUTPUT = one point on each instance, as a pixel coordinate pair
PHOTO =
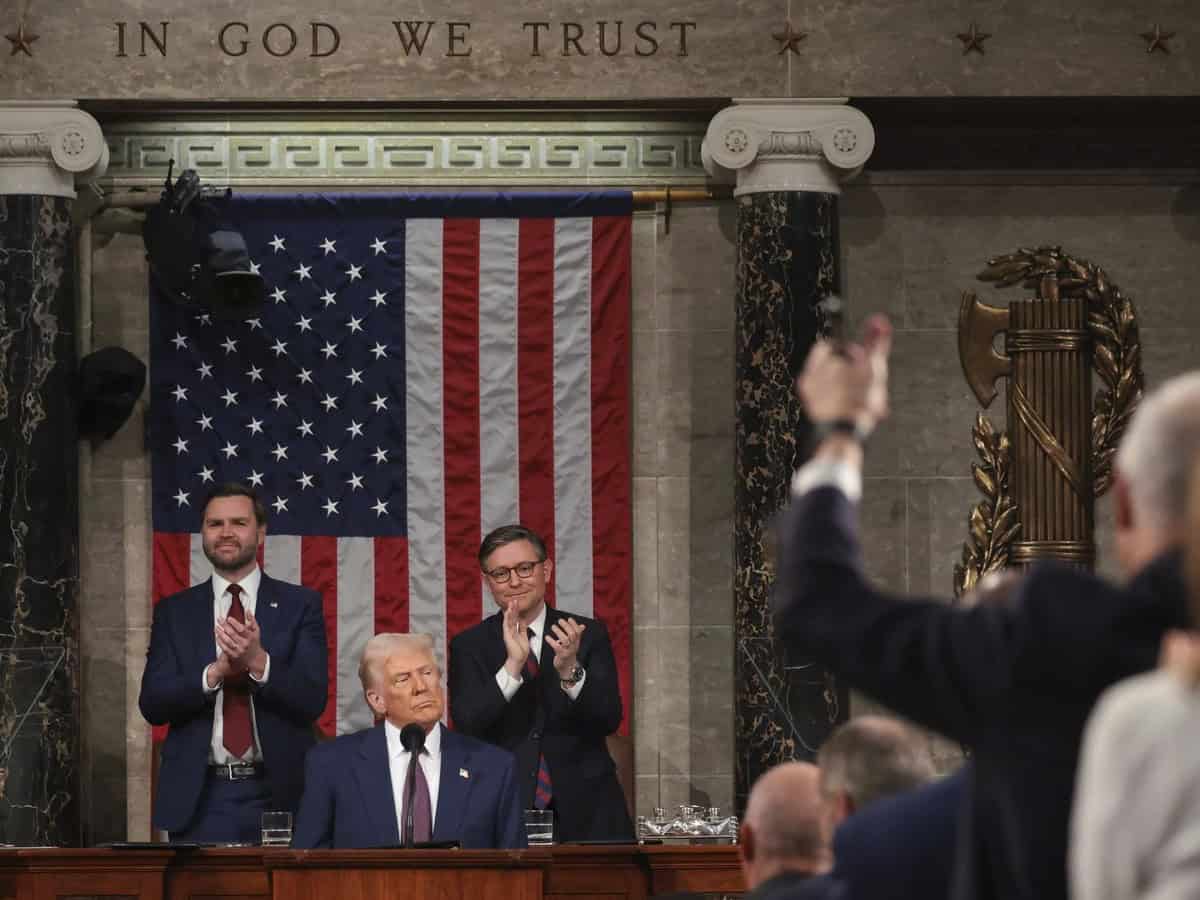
(872, 757)
(784, 811)
(1157, 452)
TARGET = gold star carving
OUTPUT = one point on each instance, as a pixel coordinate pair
(973, 39)
(1157, 39)
(20, 40)
(789, 38)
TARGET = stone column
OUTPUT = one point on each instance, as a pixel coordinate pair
(787, 158)
(44, 147)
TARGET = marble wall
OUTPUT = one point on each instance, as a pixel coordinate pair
(910, 245)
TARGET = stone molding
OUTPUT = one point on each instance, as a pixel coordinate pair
(577, 148)
(47, 148)
(787, 145)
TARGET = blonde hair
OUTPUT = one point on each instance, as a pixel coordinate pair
(380, 647)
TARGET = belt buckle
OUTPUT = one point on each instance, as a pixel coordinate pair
(229, 770)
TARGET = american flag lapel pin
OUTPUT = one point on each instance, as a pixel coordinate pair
(463, 773)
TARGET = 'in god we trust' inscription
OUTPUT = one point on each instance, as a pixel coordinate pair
(418, 38)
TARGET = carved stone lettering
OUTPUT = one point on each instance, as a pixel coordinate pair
(411, 36)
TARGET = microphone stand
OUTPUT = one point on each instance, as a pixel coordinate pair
(412, 736)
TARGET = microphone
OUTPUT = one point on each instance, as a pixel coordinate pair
(412, 736)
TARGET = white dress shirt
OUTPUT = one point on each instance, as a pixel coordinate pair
(817, 473)
(430, 762)
(222, 601)
(509, 685)
(1135, 828)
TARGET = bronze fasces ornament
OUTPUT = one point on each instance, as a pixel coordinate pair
(1039, 479)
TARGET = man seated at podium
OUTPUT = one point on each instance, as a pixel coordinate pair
(358, 787)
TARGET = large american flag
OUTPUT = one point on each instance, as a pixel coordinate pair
(425, 369)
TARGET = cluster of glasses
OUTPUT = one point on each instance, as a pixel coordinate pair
(692, 823)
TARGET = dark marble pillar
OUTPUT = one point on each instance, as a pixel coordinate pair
(787, 263)
(39, 537)
(45, 147)
(788, 158)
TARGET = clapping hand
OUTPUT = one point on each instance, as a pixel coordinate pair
(564, 636)
(241, 645)
(516, 640)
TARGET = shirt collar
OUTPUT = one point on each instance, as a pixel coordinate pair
(249, 584)
(539, 624)
(433, 740)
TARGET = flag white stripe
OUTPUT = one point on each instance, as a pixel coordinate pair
(199, 568)
(498, 458)
(355, 626)
(281, 557)
(425, 473)
(573, 415)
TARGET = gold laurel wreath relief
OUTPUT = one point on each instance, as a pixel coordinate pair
(1116, 359)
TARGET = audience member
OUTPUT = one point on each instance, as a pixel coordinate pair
(867, 759)
(1014, 681)
(780, 841)
(1135, 830)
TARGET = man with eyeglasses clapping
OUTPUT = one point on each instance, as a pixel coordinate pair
(542, 684)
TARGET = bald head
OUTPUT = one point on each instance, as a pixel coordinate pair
(781, 830)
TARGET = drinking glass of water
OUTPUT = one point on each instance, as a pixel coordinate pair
(276, 829)
(539, 826)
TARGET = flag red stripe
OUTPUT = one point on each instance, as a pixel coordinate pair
(391, 585)
(535, 379)
(460, 411)
(172, 564)
(318, 570)
(612, 530)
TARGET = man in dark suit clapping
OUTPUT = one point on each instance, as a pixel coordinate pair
(542, 684)
(237, 668)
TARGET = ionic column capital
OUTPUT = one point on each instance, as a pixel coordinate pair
(47, 147)
(787, 145)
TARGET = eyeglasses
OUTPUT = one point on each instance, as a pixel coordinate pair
(524, 570)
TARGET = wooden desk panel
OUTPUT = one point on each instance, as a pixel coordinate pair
(234, 874)
(406, 875)
(559, 873)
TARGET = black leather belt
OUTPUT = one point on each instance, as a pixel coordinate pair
(236, 771)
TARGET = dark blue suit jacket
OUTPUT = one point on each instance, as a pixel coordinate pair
(182, 644)
(1015, 682)
(348, 801)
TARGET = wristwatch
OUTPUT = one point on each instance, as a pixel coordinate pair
(574, 678)
(848, 427)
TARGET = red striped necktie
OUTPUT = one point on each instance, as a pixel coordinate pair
(544, 790)
(235, 703)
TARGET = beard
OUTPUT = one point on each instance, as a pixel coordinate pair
(232, 563)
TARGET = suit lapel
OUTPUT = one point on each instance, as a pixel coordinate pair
(374, 776)
(267, 611)
(453, 788)
(200, 620)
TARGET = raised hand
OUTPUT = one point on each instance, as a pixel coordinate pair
(564, 636)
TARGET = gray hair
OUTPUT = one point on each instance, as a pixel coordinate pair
(380, 647)
(872, 757)
(1156, 455)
